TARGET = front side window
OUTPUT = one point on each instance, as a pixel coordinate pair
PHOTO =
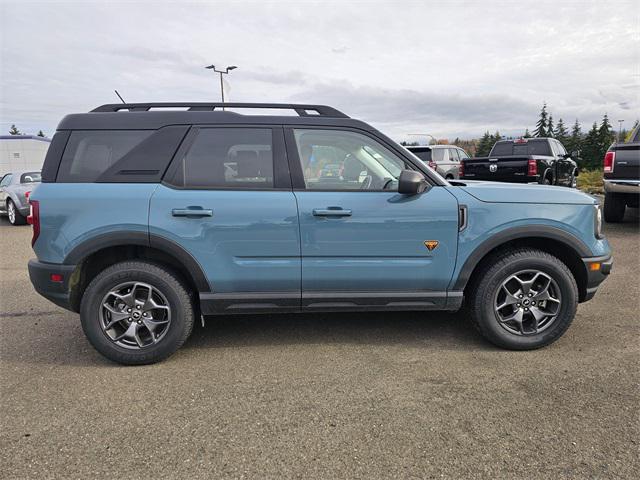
(344, 160)
(228, 158)
(462, 154)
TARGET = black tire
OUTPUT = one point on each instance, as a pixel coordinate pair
(614, 206)
(17, 218)
(484, 291)
(165, 281)
(547, 180)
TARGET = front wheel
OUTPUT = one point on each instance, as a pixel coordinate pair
(136, 313)
(523, 299)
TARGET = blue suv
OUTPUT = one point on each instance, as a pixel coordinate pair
(152, 215)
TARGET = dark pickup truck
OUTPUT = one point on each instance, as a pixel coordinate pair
(622, 177)
(525, 160)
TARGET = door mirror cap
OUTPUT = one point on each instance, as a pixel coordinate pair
(411, 183)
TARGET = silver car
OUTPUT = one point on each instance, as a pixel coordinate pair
(14, 192)
(444, 159)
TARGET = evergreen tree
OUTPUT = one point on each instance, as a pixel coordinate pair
(484, 146)
(605, 135)
(591, 149)
(560, 132)
(526, 134)
(541, 126)
(41, 133)
(495, 138)
(574, 142)
(550, 128)
(14, 130)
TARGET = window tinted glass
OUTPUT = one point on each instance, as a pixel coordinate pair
(228, 158)
(6, 180)
(422, 154)
(30, 177)
(90, 153)
(343, 160)
(531, 147)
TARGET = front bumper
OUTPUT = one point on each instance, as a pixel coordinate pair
(622, 186)
(57, 292)
(598, 268)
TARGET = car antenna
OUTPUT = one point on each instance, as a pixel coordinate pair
(121, 99)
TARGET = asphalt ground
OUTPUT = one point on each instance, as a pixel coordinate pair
(390, 395)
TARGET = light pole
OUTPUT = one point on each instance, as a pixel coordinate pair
(221, 72)
(424, 135)
(620, 122)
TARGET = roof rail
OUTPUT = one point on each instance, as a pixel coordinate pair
(302, 110)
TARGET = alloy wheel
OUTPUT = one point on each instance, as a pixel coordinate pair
(11, 211)
(527, 302)
(135, 315)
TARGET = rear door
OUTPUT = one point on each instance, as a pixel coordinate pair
(364, 244)
(227, 201)
(4, 183)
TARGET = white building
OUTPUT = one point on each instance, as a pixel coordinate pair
(22, 152)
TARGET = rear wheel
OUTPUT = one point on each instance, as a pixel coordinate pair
(523, 299)
(547, 180)
(15, 217)
(614, 206)
(136, 313)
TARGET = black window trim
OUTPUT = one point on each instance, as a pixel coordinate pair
(281, 176)
(295, 165)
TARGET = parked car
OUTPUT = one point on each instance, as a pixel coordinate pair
(525, 160)
(140, 227)
(444, 159)
(14, 195)
(622, 177)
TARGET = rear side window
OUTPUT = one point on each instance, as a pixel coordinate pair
(90, 153)
(423, 154)
(30, 177)
(227, 158)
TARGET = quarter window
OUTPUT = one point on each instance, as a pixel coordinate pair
(228, 158)
(344, 160)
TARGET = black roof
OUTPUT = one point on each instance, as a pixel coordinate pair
(155, 115)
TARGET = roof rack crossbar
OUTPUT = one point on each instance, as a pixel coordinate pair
(302, 110)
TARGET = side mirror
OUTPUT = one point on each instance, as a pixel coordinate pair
(411, 183)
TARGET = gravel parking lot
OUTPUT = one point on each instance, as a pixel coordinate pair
(401, 395)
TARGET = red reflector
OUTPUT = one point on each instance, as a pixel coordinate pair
(609, 160)
(56, 277)
(26, 195)
(532, 168)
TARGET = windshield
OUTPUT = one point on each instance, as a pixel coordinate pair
(30, 177)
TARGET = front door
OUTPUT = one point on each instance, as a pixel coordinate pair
(227, 201)
(363, 243)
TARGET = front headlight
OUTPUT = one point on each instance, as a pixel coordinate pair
(597, 221)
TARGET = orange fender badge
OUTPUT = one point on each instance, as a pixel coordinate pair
(431, 244)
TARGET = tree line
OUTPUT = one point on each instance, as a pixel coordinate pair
(589, 148)
(14, 131)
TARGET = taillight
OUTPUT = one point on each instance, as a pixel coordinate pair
(532, 168)
(461, 170)
(34, 220)
(26, 195)
(609, 160)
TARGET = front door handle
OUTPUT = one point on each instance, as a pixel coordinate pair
(192, 212)
(331, 212)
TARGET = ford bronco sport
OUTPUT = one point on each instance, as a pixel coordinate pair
(147, 219)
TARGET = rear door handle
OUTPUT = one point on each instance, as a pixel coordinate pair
(331, 212)
(194, 212)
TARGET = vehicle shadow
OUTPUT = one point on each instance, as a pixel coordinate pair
(439, 330)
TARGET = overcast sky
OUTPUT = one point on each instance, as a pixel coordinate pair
(450, 69)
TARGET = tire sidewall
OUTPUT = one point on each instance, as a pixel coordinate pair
(179, 327)
(493, 281)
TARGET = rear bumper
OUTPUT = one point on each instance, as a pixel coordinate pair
(595, 276)
(621, 186)
(55, 291)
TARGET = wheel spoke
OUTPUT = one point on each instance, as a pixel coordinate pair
(116, 316)
(510, 299)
